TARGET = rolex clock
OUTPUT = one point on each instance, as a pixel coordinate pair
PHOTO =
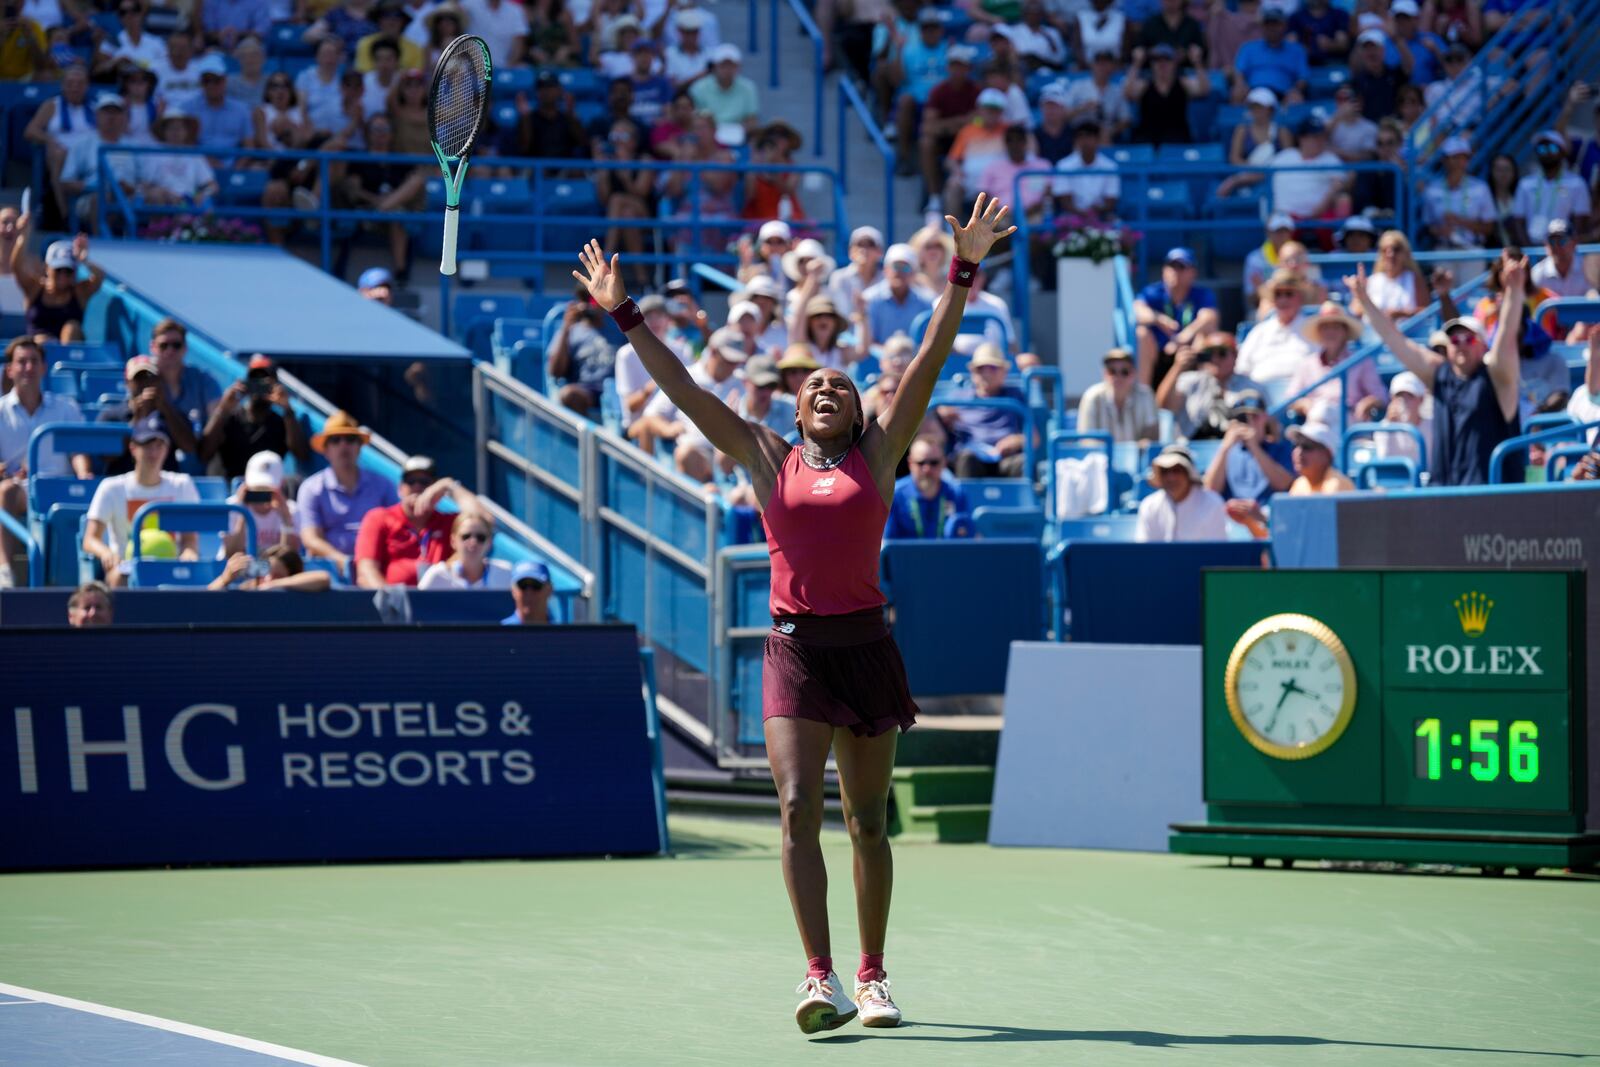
(1290, 686)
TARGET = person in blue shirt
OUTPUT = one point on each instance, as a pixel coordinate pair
(925, 499)
(1427, 49)
(1272, 62)
(530, 590)
(989, 441)
(224, 121)
(1323, 31)
(894, 301)
(1170, 314)
(1251, 465)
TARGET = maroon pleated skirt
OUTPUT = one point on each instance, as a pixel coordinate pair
(844, 670)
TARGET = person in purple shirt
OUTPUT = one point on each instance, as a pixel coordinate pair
(1272, 62)
(332, 502)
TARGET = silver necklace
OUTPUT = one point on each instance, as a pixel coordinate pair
(820, 463)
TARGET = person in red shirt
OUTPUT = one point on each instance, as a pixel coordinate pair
(395, 542)
(832, 674)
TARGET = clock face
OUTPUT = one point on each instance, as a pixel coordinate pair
(1290, 686)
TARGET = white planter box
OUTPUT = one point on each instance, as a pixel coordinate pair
(1086, 300)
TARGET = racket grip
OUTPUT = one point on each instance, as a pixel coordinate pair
(447, 259)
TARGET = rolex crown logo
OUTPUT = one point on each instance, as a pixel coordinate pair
(1473, 611)
(1291, 643)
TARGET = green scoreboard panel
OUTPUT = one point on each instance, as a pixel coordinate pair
(1418, 716)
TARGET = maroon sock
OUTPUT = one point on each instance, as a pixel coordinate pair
(871, 969)
(819, 966)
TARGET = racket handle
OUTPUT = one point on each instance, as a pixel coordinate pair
(447, 259)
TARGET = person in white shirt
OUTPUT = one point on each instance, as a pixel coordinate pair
(502, 25)
(1550, 192)
(1458, 208)
(1184, 510)
(1584, 406)
(24, 409)
(80, 174)
(178, 74)
(689, 58)
(1097, 98)
(132, 44)
(1120, 405)
(118, 499)
(866, 266)
(1561, 271)
(1409, 404)
(1274, 348)
(671, 29)
(175, 178)
(277, 522)
(1038, 43)
(471, 537)
(1089, 183)
(1310, 194)
(635, 387)
(715, 372)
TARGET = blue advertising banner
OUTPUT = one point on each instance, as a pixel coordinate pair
(165, 746)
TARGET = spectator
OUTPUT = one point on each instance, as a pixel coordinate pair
(795, 366)
(1426, 49)
(617, 41)
(923, 61)
(1202, 386)
(1038, 44)
(688, 59)
(1274, 349)
(1171, 313)
(1373, 192)
(1120, 404)
(727, 95)
(619, 112)
(144, 397)
(1584, 152)
(1096, 98)
(1253, 462)
(1533, 337)
(1164, 95)
(503, 26)
(893, 304)
(1504, 177)
(548, 128)
(1332, 334)
(333, 501)
(382, 79)
(635, 387)
(1466, 93)
(1227, 31)
(190, 395)
(1090, 187)
(1560, 272)
(864, 270)
(1256, 140)
(262, 492)
(178, 73)
(773, 241)
(396, 542)
(1173, 27)
(23, 410)
(55, 297)
(552, 37)
(1407, 395)
(1261, 262)
(1550, 192)
(117, 499)
(581, 357)
(1459, 21)
(377, 284)
(1295, 258)
(715, 372)
(651, 90)
(761, 401)
(254, 416)
(1100, 29)
(1352, 136)
(1184, 509)
(773, 193)
(279, 567)
(753, 330)
(132, 45)
(62, 122)
(80, 175)
(1373, 78)
(819, 325)
(349, 21)
(227, 22)
(393, 19)
(980, 142)
(949, 108)
(1458, 208)
(1584, 404)
(138, 89)
(468, 566)
(530, 591)
(688, 325)
(933, 248)
(1310, 194)
(772, 329)
(317, 87)
(1357, 235)
(925, 499)
(90, 606)
(1396, 285)
(1475, 389)
(1273, 62)
(442, 24)
(385, 185)
(1314, 445)
(176, 177)
(224, 122)
(1055, 134)
(1322, 30)
(989, 440)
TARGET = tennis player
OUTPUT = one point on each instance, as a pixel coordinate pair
(832, 675)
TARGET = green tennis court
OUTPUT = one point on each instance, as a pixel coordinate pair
(999, 956)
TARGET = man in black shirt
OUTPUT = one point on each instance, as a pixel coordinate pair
(254, 416)
(1373, 79)
(549, 128)
(1173, 26)
(619, 110)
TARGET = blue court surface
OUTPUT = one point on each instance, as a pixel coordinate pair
(41, 1030)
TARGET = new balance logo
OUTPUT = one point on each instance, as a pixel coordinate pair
(783, 627)
(822, 487)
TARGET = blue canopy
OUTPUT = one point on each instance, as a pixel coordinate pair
(250, 299)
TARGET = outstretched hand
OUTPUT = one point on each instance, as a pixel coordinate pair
(1514, 272)
(601, 278)
(1357, 283)
(986, 226)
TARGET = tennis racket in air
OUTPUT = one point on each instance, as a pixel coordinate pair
(458, 103)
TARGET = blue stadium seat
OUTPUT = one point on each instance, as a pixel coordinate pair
(501, 197)
(589, 111)
(571, 197)
(287, 39)
(504, 112)
(508, 81)
(241, 187)
(1130, 154)
(473, 315)
(1390, 472)
(206, 518)
(1008, 522)
(20, 101)
(1161, 200)
(583, 83)
(83, 352)
(1244, 209)
(1561, 460)
(999, 493)
(1098, 528)
(1323, 81)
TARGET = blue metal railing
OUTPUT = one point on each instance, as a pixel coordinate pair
(20, 531)
(850, 99)
(819, 75)
(1497, 458)
(1122, 325)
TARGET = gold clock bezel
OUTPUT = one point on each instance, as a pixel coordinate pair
(1318, 631)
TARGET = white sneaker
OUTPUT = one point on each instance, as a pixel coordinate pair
(825, 1006)
(877, 1007)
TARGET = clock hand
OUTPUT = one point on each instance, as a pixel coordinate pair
(1288, 687)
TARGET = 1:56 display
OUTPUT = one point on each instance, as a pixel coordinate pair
(1483, 750)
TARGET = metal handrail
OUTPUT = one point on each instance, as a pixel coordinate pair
(1122, 324)
(1497, 458)
(20, 531)
(212, 508)
(850, 99)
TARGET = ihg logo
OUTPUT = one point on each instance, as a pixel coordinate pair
(1472, 611)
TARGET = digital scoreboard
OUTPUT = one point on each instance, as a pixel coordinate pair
(1415, 716)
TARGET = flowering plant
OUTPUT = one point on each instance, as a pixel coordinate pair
(201, 228)
(1084, 237)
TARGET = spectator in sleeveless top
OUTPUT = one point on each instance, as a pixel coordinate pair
(1314, 446)
(469, 565)
(1163, 95)
(90, 605)
(925, 499)
(1184, 509)
(1475, 386)
(1274, 62)
(62, 122)
(56, 297)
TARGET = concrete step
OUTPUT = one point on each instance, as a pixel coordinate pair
(921, 786)
(946, 823)
(959, 740)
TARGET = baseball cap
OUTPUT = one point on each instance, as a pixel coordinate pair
(148, 429)
(866, 235)
(1311, 124)
(1372, 37)
(1314, 433)
(644, 44)
(1263, 96)
(264, 470)
(110, 100)
(1406, 382)
(138, 365)
(676, 287)
(929, 16)
(653, 302)
(1404, 7)
(742, 308)
(1163, 51)
(762, 285)
(530, 570)
(1436, 339)
(1247, 401)
(59, 255)
(776, 228)
(1180, 255)
(1280, 220)
(1054, 93)
(260, 362)
(1468, 322)
(1176, 457)
(547, 79)
(1117, 355)
(212, 66)
(1558, 228)
(1549, 137)
(726, 53)
(988, 354)
(1455, 146)
(1357, 224)
(992, 98)
(374, 277)
(1273, 13)
(760, 370)
(418, 464)
(1086, 125)
(962, 53)
(899, 252)
(729, 343)
(689, 18)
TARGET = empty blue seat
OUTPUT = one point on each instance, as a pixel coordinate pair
(287, 39)
(583, 83)
(1008, 522)
(241, 187)
(1163, 200)
(1322, 82)
(477, 311)
(1390, 472)
(509, 81)
(999, 492)
(83, 352)
(1132, 154)
(500, 198)
(572, 198)
(1098, 528)
(504, 112)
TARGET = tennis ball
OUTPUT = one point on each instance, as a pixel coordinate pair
(156, 544)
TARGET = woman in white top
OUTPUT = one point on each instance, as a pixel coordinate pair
(1396, 285)
(281, 121)
(469, 566)
(143, 110)
(1100, 30)
(318, 87)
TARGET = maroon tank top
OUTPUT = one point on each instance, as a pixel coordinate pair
(824, 530)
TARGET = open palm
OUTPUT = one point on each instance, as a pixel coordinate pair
(601, 278)
(986, 226)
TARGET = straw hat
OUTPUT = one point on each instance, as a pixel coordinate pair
(339, 424)
(824, 305)
(810, 248)
(1286, 279)
(1331, 312)
(444, 10)
(798, 357)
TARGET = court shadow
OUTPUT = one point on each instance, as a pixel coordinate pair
(984, 1035)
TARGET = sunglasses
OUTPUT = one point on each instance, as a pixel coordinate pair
(475, 537)
(531, 584)
(927, 463)
(1560, 239)
(1120, 372)
(1218, 352)
(902, 268)
(344, 439)
(1283, 294)
(169, 346)
(1460, 337)
(420, 481)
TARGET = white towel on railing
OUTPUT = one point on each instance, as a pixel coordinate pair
(1081, 486)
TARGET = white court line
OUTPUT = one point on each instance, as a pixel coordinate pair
(249, 1044)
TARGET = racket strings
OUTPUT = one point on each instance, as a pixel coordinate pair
(458, 103)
